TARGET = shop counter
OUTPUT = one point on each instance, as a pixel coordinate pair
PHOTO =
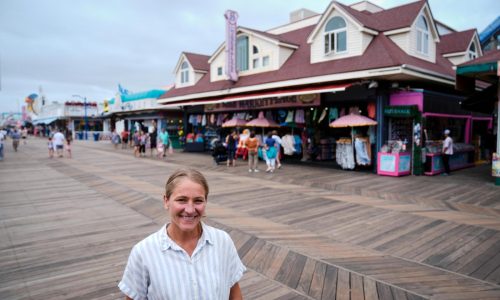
(459, 160)
(394, 164)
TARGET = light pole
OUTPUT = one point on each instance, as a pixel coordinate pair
(85, 128)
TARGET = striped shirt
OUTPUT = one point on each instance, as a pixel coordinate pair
(158, 268)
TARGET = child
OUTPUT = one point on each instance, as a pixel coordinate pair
(68, 147)
(160, 149)
(50, 144)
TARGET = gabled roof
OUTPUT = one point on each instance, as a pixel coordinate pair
(456, 41)
(199, 62)
(390, 19)
(489, 57)
(381, 53)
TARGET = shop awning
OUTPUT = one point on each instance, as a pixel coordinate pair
(45, 121)
(264, 94)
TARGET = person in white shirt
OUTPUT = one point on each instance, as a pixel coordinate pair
(58, 141)
(279, 142)
(447, 151)
(185, 259)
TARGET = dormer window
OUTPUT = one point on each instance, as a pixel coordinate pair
(472, 51)
(184, 72)
(422, 36)
(242, 56)
(255, 50)
(335, 35)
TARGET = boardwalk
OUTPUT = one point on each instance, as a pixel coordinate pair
(67, 227)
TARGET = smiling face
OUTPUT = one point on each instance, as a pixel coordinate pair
(186, 205)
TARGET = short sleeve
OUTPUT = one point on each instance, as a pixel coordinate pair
(236, 267)
(135, 279)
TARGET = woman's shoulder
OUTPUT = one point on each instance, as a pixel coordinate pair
(215, 233)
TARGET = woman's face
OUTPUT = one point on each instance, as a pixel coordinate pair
(186, 205)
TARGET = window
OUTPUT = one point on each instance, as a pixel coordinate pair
(335, 35)
(242, 53)
(422, 36)
(184, 72)
(265, 61)
(219, 71)
(255, 50)
(255, 63)
(472, 51)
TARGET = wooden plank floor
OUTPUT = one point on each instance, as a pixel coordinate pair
(68, 233)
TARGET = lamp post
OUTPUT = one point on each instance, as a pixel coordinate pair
(85, 128)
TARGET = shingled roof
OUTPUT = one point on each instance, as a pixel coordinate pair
(199, 62)
(456, 41)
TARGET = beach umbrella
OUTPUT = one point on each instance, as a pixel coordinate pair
(352, 120)
(262, 122)
(234, 122)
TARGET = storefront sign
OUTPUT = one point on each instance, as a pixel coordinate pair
(231, 26)
(401, 111)
(264, 103)
(495, 165)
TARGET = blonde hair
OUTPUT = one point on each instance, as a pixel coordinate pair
(191, 174)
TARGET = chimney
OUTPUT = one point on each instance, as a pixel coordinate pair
(301, 14)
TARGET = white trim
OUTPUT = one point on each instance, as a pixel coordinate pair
(369, 31)
(434, 75)
(180, 61)
(397, 31)
(269, 39)
(454, 54)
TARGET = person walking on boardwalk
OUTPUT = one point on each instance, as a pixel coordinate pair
(447, 151)
(153, 136)
(124, 136)
(2, 138)
(231, 148)
(115, 139)
(165, 140)
(16, 136)
(270, 147)
(278, 144)
(50, 145)
(58, 139)
(184, 248)
(252, 144)
(24, 134)
(136, 140)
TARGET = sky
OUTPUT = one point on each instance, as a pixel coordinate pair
(88, 47)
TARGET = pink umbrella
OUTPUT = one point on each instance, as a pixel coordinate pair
(234, 122)
(261, 121)
(352, 120)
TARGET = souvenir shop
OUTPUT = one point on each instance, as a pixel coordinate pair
(417, 120)
(302, 122)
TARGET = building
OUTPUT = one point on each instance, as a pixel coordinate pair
(490, 37)
(392, 65)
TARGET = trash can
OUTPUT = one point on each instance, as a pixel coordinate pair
(96, 136)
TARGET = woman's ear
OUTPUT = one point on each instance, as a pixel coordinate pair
(165, 202)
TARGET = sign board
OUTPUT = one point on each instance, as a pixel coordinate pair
(268, 102)
(401, 111)
(231, 27)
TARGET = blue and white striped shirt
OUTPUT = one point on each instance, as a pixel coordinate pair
(158, 268)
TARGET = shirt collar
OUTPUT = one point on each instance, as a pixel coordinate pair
(167, 243)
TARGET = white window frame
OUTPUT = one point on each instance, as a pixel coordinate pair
(423, 37)
(220, 71)
(184, 72)
(333, 49)
(264, 64)
(472, 53)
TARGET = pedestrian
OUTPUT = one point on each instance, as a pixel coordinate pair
(231, 148)
(124, 135)
(136, 139)
(50, 145)
(24, 134)
(165, 140)
(115, 139)
(153, 136)
(58, 140)
(270, 148)
(142, 144)
(278, 144)
(68, 147)
(252, 145)
(184, 248)
(2, 138)
(447, 151)
(16, 136)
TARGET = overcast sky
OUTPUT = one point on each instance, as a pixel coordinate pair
(87, 47)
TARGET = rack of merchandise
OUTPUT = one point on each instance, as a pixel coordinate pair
(463, 157)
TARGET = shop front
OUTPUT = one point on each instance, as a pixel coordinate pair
(422, 137)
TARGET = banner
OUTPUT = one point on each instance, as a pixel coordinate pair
(295, 101)
(231, 26)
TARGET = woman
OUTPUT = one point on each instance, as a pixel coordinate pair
(270, 147)
(231, 143)
(185, 258)
(252, 144)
